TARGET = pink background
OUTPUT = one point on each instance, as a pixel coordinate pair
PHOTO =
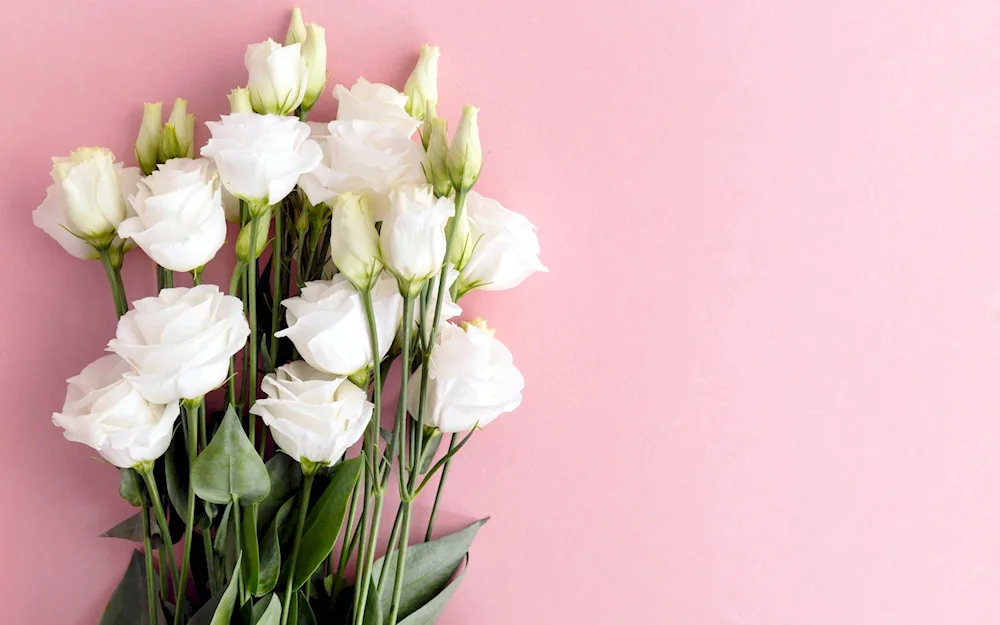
(762, 373)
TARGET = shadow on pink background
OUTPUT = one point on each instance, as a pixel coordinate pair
(762, 373)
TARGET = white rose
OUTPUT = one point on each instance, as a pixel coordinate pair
(86, 202)
(365, 158)
(472, 380)
(506, 247)
(412, 239)
(179, 218)
(180, 341)
(278, 77)
(104, 411)
(312, 415)
(375, 102)
(260, 157)
(328, 326)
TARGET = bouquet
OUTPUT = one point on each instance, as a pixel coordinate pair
(357, 240)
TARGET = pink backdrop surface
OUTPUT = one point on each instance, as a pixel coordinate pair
(762, 373)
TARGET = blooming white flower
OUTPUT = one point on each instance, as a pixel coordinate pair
(278, 77)
(179, 342)
(421, 87)
(86, 202)
(103, 411)
(312, 415)
(375, 102)
(471, 380)
(328, 326)
(412, 239)
(505, 249)
(354, 240)
(260, 157)
(179, 218)
(365, 158)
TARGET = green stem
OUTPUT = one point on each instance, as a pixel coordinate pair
(277, 269)
(397, 590)
(206, 543)
(196, 275)
(234, 289)
(161, 521)
(238, 526)
(147, 543)
(348, 546)
(164, 582)
(307, 481)
(192, 412)
(393, 542)
(164, 278)
(440, 488)
(364, 575)
(252, 312)
(113, 271)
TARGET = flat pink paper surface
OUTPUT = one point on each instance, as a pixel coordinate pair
(762, 375)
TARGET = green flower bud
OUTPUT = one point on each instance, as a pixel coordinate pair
(436, 163)
(314, 53)
(263, 223)
(177, 139)
(465, 156)
(296, 28)
(147, 145)
(421, 87)
(462, 244)
(239, 101)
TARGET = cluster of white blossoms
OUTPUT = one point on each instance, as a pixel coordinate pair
(375, 232)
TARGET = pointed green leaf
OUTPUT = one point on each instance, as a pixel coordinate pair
(428, 614)
(251, 549)
(220, 534)
(270, 562)
(325, 518)
(128, 603)
(128, 488)
(304, 614)
(131, 529)
(218, 610)
(285, 475)
(177, 486)
(229, 467)
(269, 611)
(429, 566)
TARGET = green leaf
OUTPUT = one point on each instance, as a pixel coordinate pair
(304, 612)
(428, 614)
(267, 611)
(128, 488)
(128, 603)
(220, 535)
(131, 529)
(251, 549)
(324, 520)
(270, 562)
(218, 610)
(431, 444)
(429, 566)
(229, 468)
(177, 486)
(285, 475)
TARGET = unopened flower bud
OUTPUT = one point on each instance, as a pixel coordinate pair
(436, 163)
(314, 53)
(465, 156)
(296, 28)
(354, 241)
(177, 140)
(421, 87)
(239, 101)
(479, 323)
(147, 145)
(263, 223)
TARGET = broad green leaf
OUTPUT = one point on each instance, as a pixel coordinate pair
(374, 614)
(128, 487)
(218, 610)
(175, 470)
(324, 520)
(251, 550)
(270, 562)
(429, 566)
(428, 614)
(285, 475)
(304, 614)
(128, 604)
(271, 612)
(131, 529)
(229, 468)
(220, 534)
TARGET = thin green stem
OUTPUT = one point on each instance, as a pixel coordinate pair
(364, 575)
(440, 488)
(206, 543)
(393, 542)
(277, 269)
(196, 275)
(234, 289)
(113, 271)
(238, 527)
(397, 589)
(147, 543)
(161, 522)
(192, 412)
(164, 582)
(164, 278)
(399, 431)
(252, 311)
(307, 481)
(348, 545)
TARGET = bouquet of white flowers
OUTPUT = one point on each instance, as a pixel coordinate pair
(257, 512)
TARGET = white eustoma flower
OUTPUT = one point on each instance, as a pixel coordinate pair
(179, 342)
(412, 239)
(104, 411)
(312, 415)
(471, 380)
(505, 249)
(327, 323)
(278, 77)
(260, 157)
(86, 202)
(354, 240)
(375, 102)
(365, 158)
(179, 218)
